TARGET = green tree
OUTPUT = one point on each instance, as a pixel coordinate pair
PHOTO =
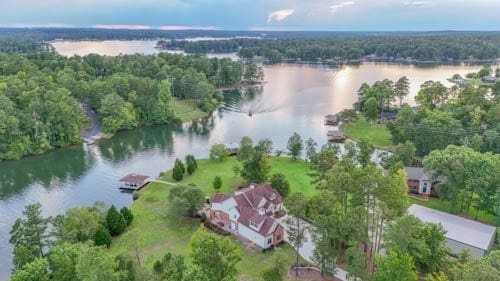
(436, 131)
(217, 183)
(218, 152)
(115, 221)
(402, 89)
(281, 184)
(30, 233)
(170, 268)
(96, 264)
(471, 179)
(311, 146)
(424, 242)
(395, 266)
(191, 164)
(78, 224)
(256, 169)
(371, 109)
(295, 146)
(62, 261)
(296, 229)
(432, 94)
(116, 113)
(215, 257)
(177, 172)
(36, 270)
(364, 152)
(278, 269)
(192, 197)
(102, 237)
(134, 241)
(127, 215)
(486, 268)
(246, 149)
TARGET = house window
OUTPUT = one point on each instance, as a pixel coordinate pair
(269, 241)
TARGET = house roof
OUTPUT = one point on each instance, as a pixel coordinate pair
(418, 173)
(338, 133)
(219, 197)
(463, 230)
(134, 178)
(389, 115)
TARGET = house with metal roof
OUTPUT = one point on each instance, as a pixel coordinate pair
(249, 214)
(461, 233)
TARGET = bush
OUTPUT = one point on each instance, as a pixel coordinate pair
(127, 215)
(135, 196)
(102, 237)
(217, 183)
(115, 221)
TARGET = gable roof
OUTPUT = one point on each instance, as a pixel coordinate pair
(416, 173)
(218, 198)
(466, 231)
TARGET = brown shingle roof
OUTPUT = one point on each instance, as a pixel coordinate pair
(134, 179)
(219, 197)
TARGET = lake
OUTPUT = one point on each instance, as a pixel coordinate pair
(295, 98)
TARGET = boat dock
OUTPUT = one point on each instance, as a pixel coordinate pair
(133, 182)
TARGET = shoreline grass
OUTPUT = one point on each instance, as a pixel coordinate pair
(376, 133)
(186, 110)
(163, 233)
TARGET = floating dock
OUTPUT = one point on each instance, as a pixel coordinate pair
(133, 182)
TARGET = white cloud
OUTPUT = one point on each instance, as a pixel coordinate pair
(415, 3)
(187, 27)
(121, 26)
(334, 8)
(279, 15)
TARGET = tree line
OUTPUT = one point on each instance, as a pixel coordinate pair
(41, 94)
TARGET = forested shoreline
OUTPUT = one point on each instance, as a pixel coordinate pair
(337, 49)
(41, 94)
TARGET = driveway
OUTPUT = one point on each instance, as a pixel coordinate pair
(307, 249)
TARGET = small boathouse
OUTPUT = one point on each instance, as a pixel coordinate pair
(336, 136)
(133, 182)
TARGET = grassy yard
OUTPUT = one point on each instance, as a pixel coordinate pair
(187, 110)
(376, 133)
(163, 233)
(440, 205)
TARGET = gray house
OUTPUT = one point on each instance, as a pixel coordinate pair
(421, 183)
(461, 234)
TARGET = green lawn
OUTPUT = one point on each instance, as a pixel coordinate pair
(376, 133)
(440, 205)
(295, 172)
(187, 110)
(163, 233)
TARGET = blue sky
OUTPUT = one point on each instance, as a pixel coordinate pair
(365, 15)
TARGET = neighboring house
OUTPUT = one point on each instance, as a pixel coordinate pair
(421, 183)
(387, 116)
(490, 79)
(249, 214)
(461, 234)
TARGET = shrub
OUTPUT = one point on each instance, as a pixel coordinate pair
(191, 164)
(218, 152)
(177, 173)
(217, 183)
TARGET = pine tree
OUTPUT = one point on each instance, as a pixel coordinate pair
(102, 237)
(127, 214)
(115, 220)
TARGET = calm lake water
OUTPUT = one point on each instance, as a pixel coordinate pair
(294, 98)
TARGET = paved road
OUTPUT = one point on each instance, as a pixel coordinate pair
(95, 129)
(307, 249)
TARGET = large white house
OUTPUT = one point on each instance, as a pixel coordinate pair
(461, 234)
(249, 214)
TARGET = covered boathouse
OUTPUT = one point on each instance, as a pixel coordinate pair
(133, 182)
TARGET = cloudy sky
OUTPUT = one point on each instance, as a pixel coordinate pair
(255, 14)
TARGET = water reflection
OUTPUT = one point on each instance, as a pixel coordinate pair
(50, 171)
